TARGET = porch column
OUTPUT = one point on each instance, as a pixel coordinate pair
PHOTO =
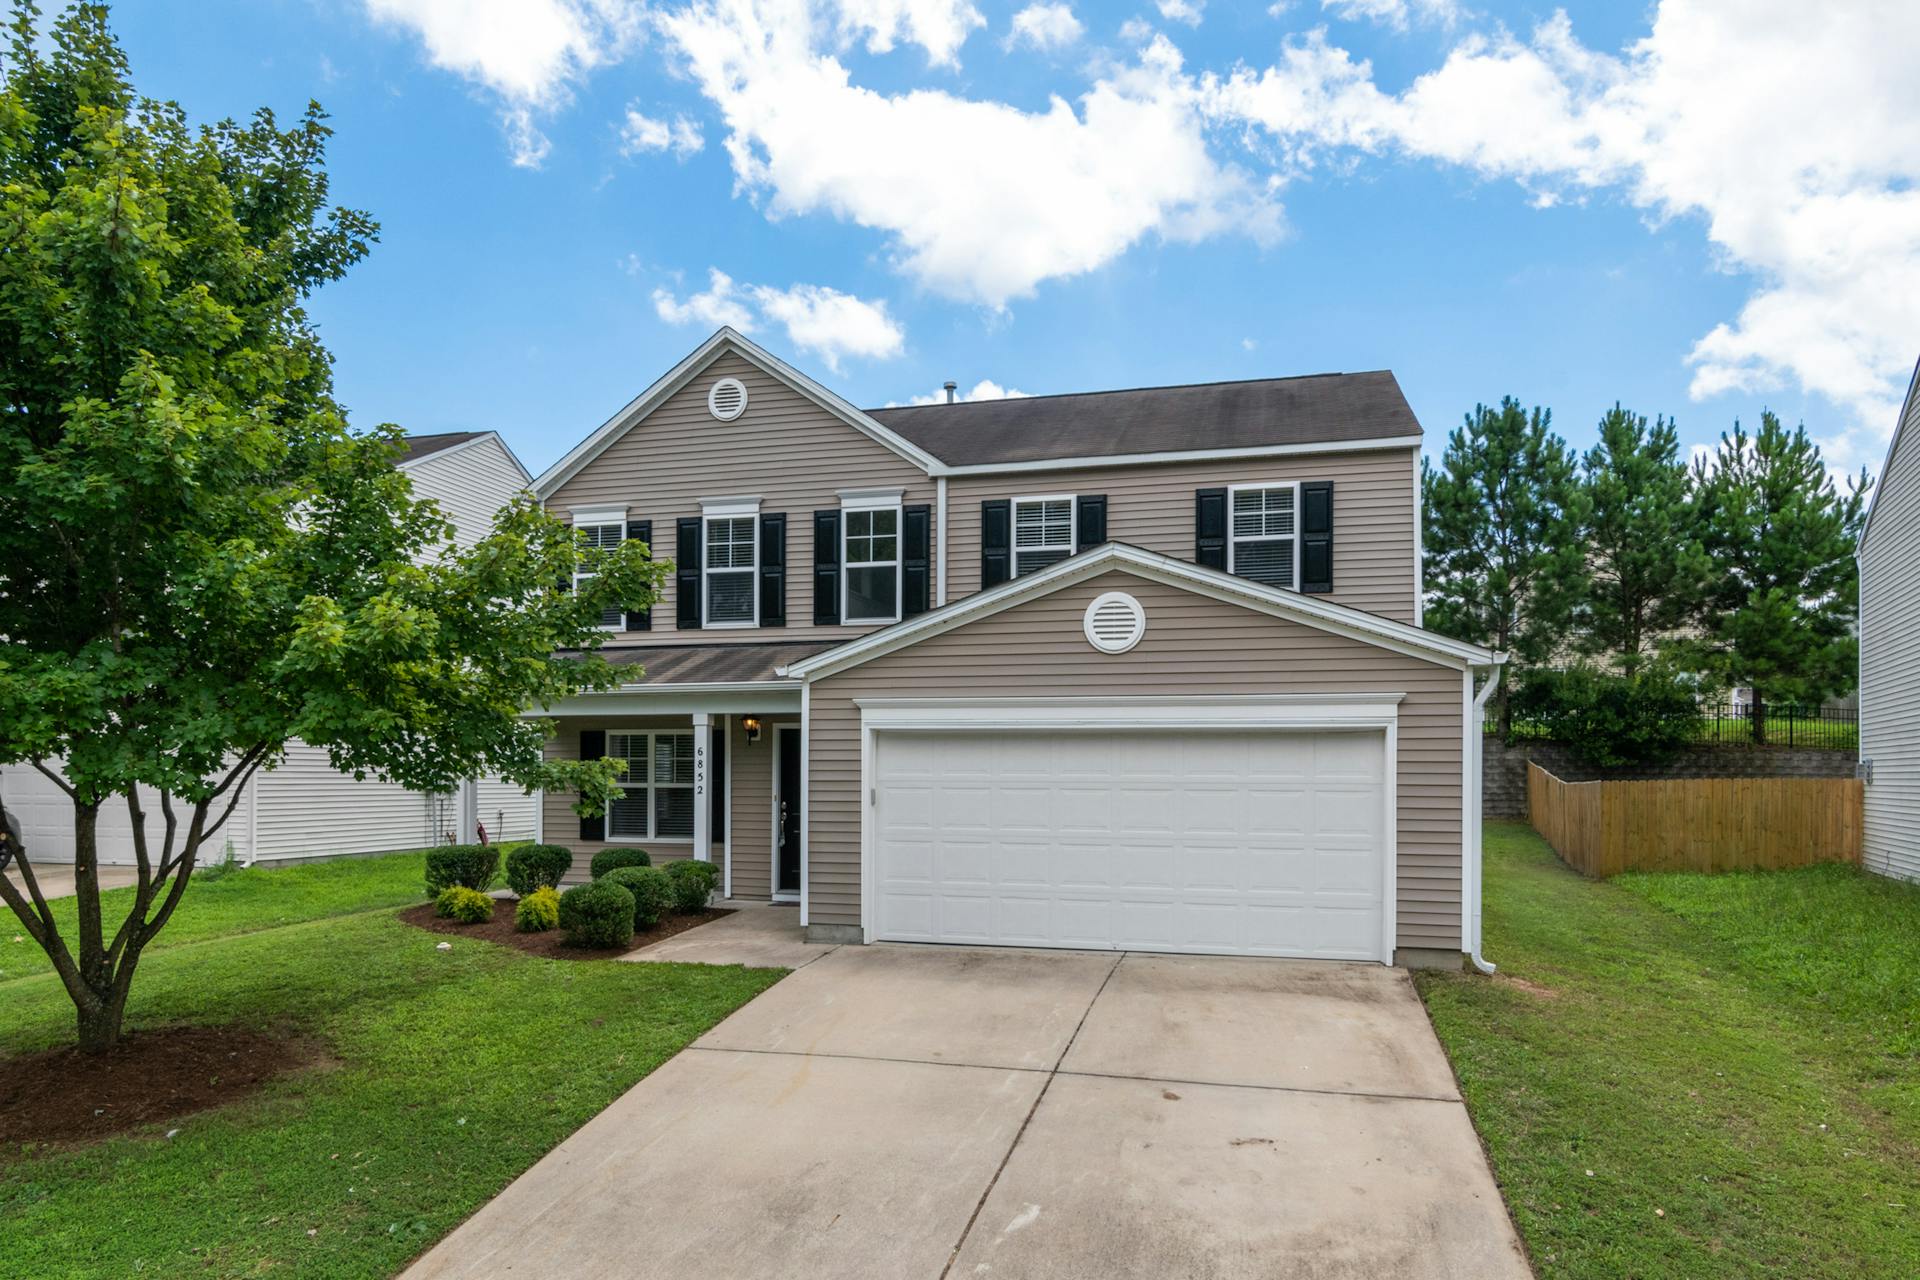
(702, 800)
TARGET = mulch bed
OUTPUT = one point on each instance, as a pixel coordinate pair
(550, 942)
(64, 1095)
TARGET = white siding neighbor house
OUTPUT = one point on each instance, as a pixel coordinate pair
(303, 808)
(1890, 654)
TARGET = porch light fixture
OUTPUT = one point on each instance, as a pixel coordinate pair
(752, 725)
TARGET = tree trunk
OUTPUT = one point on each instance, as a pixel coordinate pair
(102, 1002)
(1758, 713)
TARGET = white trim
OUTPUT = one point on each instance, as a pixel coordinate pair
(1234, 539)
(540, 817)
(696, 361)
(940, 540)
(1280, 713)
(648, 785)
(806, 791)
(599, 515)
(1473, 872)
(702, 783)
(774, 890)
(1419, 545)
(720, 508)
(1179, 455)
(1312, 611)
(1013, 527)
(714, 390)
(898, 561)
(729, 509)
(1104, 599)
(870, 499)
(726, 802)
(438, 454)
(600, 518)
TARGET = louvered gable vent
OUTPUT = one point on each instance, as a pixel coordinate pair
(1114, 622)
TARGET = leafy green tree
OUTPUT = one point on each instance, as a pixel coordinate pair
(199, 561)
(1645, 570)
(1612, 721)
(1779, 610)
(1503, 514)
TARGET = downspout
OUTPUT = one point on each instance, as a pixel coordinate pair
(1475, 814)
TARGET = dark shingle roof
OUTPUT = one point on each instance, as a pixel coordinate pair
(1322, 408)
(709, 663)
(418, 447)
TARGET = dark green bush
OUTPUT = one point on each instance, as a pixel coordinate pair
(468, 906)
(538, 911)
(1612, 721)
(613, 859)
(652, 893)
(692, 884)
(597, 915)
(472, 866)
(537, 866)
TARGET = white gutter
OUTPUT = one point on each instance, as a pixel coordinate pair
(1475, 821)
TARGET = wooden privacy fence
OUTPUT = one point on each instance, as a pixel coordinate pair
(1696, 824)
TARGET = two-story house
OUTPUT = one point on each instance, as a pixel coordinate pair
(1135, 669)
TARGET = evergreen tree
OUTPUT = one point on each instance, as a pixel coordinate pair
(1503, 514)
(1784, 592)
(1645, 569)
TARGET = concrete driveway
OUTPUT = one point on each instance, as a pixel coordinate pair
(922, 1112)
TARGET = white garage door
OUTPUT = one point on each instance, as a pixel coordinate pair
(1247, 843)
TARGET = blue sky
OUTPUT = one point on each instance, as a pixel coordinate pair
(1565, 206)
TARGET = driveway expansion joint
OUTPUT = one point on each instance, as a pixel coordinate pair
(1264, 1088)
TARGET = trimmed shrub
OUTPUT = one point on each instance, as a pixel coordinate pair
(652, 892)
(472, 866)
(613, 859)
(466, 906)
(692, 884)
(538, 911)
(537, 866)
(597, 915)
(1612, 721)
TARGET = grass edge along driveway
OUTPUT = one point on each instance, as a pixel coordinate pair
(1668, 1085)
(453, 1072)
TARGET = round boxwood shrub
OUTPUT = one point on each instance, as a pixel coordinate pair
(597, 915)
(537, 866)
(613, 859)
(467, 906)
(472, 866)
(692, 884)
(538, 911)
(652, 892)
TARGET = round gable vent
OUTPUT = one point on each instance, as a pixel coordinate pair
(1114, 622)
(727, 399)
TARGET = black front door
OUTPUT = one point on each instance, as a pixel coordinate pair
(786, 871)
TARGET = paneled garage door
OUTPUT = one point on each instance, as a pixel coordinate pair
(1242, 842)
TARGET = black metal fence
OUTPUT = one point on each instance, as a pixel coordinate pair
(1782, 724)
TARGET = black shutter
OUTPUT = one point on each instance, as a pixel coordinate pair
(916, 560)
(717, 775)
(686, 575)
(826, 568)
(1316, 535)
(996, 542)
(1090, 521)
(593, 745)
(1210, 528)
(640, 531)
(773, 570)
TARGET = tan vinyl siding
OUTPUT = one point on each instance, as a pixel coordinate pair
(1194, 646)
(1890, 661)
(562, 824)
(1151, 506)
(785, 450)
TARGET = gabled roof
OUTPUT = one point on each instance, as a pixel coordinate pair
(1310, 611)
(438, 447)
(1907, 410)
(1265, 415)
(724, 339)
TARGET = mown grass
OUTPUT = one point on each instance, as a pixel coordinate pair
(454, 1071)
(1701, 1076)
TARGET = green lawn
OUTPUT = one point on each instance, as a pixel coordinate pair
(1699, 1076)
(455, 1071)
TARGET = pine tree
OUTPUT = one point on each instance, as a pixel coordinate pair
(1503, 514)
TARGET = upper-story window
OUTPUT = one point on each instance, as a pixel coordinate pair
(731, 562)
(1043, 532)
(601, 530)
(870, 557)
(1263, 540)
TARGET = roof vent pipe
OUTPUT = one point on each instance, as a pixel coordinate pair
(951, 388)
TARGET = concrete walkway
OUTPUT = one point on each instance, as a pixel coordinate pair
(756, 935)
(924, 1112)
(56, 878)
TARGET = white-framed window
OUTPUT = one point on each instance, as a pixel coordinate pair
(730, 568)
(1043, 531)
(870, 565)
(656, 795)
(602, 530)
(1263, 533)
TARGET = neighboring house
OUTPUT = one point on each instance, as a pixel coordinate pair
(1134, 669)
(1889, 556)
(303, 808)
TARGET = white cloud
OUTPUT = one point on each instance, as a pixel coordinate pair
(1045, 26)
(1248, 344)
(642, 133)
(981, 200)
(938, 26)
(1187, 11)
(1814, 192)
(985, 389)
(816, 318)
(1396, 14)
(527, 53)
